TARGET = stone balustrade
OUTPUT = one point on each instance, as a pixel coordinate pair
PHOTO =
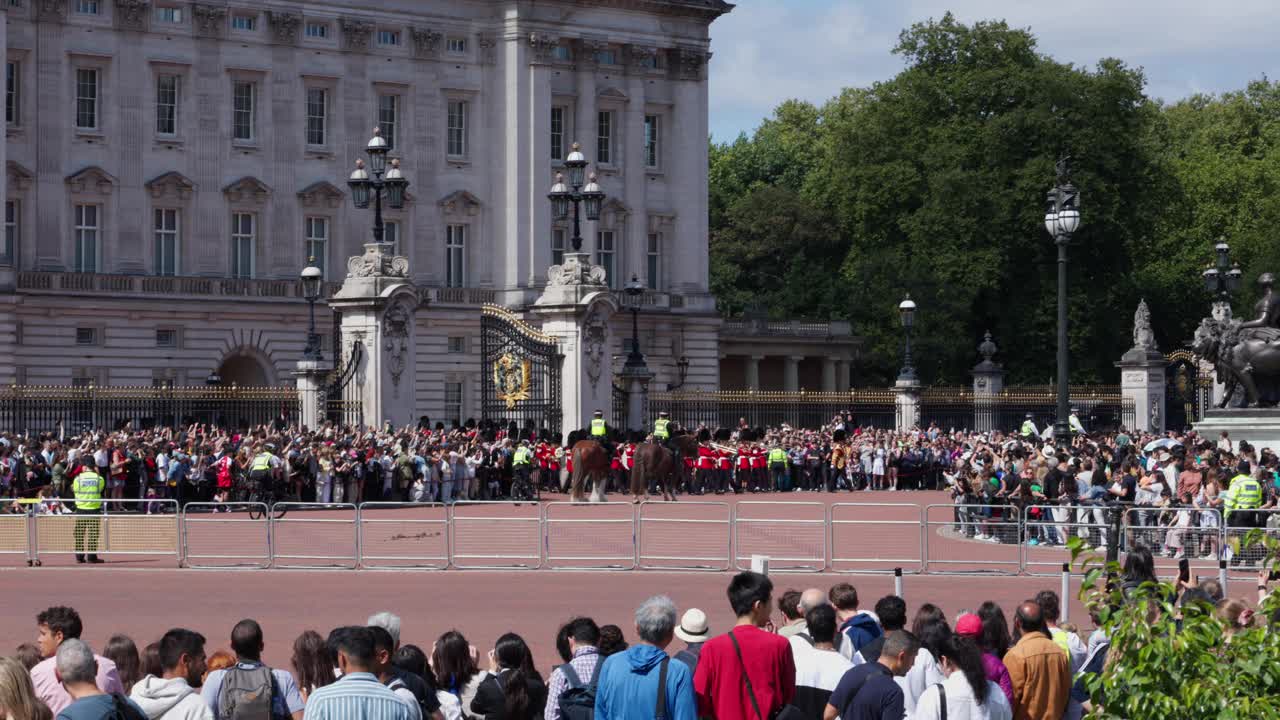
(791, 328)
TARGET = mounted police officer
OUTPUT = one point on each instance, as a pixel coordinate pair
(87, 488)
(264, 468)
(1029, 428)
(601, 433)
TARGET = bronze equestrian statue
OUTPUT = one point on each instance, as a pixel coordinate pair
(1246, 354)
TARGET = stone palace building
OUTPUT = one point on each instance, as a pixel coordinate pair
(172, 165)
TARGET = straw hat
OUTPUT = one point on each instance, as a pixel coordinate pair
(693, 626)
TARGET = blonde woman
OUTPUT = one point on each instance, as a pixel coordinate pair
(18, 699)
(324, 475)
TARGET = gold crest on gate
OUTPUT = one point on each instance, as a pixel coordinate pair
(511, 378)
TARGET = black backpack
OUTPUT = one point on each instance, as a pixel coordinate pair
(578, 701)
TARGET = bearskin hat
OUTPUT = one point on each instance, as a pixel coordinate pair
(839, 436)
(723, 434)
(704, 435)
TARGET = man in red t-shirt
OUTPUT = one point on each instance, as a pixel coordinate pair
(766, 658)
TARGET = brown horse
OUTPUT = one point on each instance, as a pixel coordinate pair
(653, 461)
(590, 462)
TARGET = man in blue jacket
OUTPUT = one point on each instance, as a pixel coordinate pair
(629, 681)
(857, 628)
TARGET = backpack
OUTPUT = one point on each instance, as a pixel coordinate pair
(247, 693)
(578, 701)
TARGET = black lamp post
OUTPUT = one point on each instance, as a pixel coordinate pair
(1061, 220)
(388, 181)
(311, 279)
(634, 290)
(562, 195)
(1223, 279)
(907, 311)
(682, 372)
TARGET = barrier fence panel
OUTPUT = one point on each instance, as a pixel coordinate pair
(1166, 530)
(315, 535)
(875, 537)
(15, 539)
(684, 536)
(971, 539)
(123, 528)
(404, 535)
(792, 534)
(1245, 559)
(589, 536)
(1051, 526)
(495, 535)
(222, 535)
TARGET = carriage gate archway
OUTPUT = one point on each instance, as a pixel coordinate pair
(1188, 392)
(519, 373)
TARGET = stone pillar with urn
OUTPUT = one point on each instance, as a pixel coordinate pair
(988, 383)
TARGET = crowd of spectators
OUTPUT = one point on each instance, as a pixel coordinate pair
(827, 657)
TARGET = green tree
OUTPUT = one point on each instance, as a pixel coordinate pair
(937, 178)
(1170, 661)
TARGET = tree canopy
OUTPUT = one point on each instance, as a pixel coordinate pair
(933, 183)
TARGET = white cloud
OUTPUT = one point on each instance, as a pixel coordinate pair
(767, 51)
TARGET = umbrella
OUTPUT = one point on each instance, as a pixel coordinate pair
(1161, 444)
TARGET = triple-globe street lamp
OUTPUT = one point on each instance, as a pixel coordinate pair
(590, 197)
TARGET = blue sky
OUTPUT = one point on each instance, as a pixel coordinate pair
(767, 51)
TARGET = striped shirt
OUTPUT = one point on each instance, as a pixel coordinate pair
(584, 663)
(356, 696)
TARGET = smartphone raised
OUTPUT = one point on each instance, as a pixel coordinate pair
(1184, 570)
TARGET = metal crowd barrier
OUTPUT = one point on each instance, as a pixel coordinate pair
(404, 535)
(15, 537)
(684, 536)
(793, 544)
(495, 535)
(696, 535)
(1000, 525)
(124, 527)
(898, 530)
(1055, 525)
(315, 535)
(575, 538)
(223, 535)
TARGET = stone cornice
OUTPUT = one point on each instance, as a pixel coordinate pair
(705, 9)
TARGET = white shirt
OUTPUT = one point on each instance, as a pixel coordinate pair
(817, 668)
(961, 704)
(922, 675)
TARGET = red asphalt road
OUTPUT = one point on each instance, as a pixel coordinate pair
(143, 596)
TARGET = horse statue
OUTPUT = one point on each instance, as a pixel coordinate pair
(654, 463)
(1241, 358)
(590, 463)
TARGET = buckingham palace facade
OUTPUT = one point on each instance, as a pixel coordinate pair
(172, 165)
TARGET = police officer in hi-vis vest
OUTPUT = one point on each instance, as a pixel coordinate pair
(87, 488)
(599, 430)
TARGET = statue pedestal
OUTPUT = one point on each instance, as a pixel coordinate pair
(1142, 383)
(377, 305)
(576, 307)
(1260, 427)
(311, 376)
(988, 383)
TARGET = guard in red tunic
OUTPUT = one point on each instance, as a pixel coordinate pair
(742, 478)
(702, 480)
(759, 479)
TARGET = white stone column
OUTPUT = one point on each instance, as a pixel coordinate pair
(378, 305)
(311, 375)
(828, 374)
(842, 374)
(753, 371)
(576, 307)
(906, 405)
(1142, 382)
(791, 373)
